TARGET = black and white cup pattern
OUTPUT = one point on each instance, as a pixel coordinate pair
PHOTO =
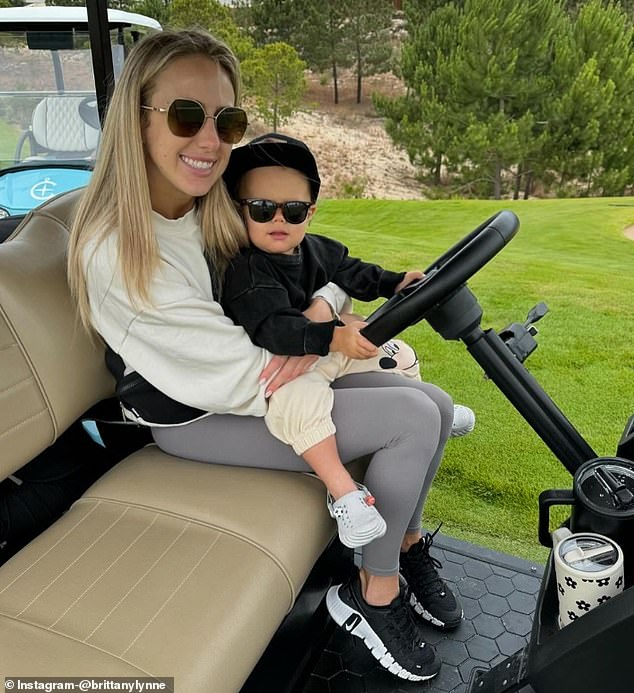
(580, 590)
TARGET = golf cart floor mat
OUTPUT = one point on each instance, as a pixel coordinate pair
(498, 594)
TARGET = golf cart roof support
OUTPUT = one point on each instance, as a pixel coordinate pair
(529, 398)
(59, 74)
(99, 31)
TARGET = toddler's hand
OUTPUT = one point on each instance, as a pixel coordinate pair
(350, 342)
(411, 276)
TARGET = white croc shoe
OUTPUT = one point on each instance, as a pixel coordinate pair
(463, 421)
(358, 521)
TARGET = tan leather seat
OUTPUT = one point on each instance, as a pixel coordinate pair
(165, 567)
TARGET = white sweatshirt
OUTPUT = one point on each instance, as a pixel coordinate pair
(183, 344)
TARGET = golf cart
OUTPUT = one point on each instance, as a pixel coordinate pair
(49, 111)
(145, 565)
(158, 563)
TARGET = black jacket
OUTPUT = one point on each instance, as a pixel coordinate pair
(266, 293)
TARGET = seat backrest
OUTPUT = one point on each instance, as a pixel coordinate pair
(50, 371)
(57, 127)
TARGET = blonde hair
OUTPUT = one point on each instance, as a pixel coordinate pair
(117, 198)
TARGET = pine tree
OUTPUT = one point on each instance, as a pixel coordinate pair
(419, 121)
(274, 78)
(369, 34)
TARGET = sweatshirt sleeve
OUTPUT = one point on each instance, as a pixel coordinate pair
(183, 343)
(361, 280)
(365, 281)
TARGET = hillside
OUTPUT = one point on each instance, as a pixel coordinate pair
(355, 155)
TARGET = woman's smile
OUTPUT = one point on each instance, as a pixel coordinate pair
(198, 164)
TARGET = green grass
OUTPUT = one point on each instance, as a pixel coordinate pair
(573, 255)
(9, 135)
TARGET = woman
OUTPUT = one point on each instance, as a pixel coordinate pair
(149, 243)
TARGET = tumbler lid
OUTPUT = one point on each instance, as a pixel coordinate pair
(588, 553)
(606, 484)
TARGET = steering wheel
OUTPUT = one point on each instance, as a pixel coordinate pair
(442, 278)
(89, 112)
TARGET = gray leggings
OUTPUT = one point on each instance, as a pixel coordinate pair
(403, 424)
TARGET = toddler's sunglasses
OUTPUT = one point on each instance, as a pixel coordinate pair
(186, 117)
(294, 211)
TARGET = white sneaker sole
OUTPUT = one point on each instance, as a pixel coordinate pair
(425, 615)
(355, 624)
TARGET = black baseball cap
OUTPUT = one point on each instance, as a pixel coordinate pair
(272, 149)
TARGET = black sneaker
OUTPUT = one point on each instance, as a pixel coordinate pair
(389, 632)
(430, 597)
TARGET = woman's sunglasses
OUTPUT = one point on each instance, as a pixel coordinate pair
(295, 211)
(186, 117)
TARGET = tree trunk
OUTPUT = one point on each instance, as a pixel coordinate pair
(518, 182)
(275, 103)
(521, 173)
(528, 185)
(438, 169)
(359, 74)
(497, 181)
(335, 84)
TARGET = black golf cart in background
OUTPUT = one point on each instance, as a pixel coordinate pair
(501, 647)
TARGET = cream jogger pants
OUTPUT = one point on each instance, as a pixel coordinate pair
(299, 413)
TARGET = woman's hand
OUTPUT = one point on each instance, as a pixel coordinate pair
(411, 276)
(282, 369)
(350, 342)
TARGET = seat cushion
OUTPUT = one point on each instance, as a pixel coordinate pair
(58, 127)
(50, 372)
(165, 567)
